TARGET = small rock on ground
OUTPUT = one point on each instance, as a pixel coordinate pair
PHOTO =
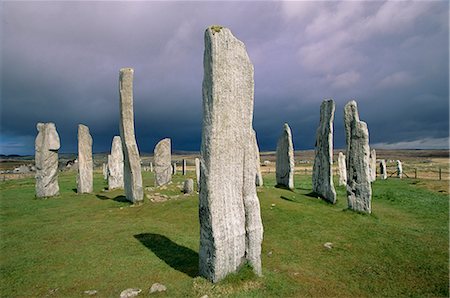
(128, 293)
(328, 245)
(157, 287)
(90, 292)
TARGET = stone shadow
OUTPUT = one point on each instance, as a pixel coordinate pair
(176, 256)
(288, 199)
(120, 199)
(281, 186)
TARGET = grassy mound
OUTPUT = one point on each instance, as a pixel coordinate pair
(66, 245)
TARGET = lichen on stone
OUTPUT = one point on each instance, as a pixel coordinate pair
(216, 28)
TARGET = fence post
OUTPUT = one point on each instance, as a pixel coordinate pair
(440, 174)
(415, 173)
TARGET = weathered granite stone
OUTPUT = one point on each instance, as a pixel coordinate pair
(129, 293)
(85, 182)
(399, 169)
(383, 171)
(322, 177)
(132, 176)
(46, 160)
(373, 165)
(258, 179)
(105, 170)
(197, 172)
(157, 287)
(188, 186)
(230, 222)
(184, 167)
(151, 167)
(359, 189)
(174, 168)
(285, 159)
(162, 157)
(342, 169)
(115, 164)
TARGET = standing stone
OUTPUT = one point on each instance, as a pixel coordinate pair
(188, 186)
(373, 165)
(383, 171)
(105, 171)
(322, 178)
(174, 168)
(115, 164)
(151, 167)
(399, 169)
(85, 177)
(285, 159)
(46, 160)
(342, 169)
(259, 179)
(132, 175)
(162, 157)
(231, 230)
(359, 190)
(197, 171)
(184, 167)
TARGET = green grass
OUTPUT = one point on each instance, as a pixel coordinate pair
(74, 243)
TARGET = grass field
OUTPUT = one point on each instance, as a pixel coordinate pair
(63, 246)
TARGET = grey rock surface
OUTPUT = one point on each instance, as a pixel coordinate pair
(383, 171)
(46, 160)
(285, 159)
(322, 177)
(157, 287)
(132, 175)
(115, 164)
(129, 293)
(230, 222)
(359, 189)
(184, 169)
(162, 157)
(105, 170)
(258, 179)
(399, 169)
(85, 177)
(188, 186)
(197, 172)
(373, 165)
(342, 169)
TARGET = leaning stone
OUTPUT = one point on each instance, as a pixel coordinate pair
(285, 159)
(322, 177)
(383, 171)
(342, 169)
(188, 186)
(132, 174)
(373, 165)
(259, 179)
(115, 164)
(197, 172)
(157, 287)
(85, 177)
(129, 293)
(46, 160)
(162, 158)
(359, 189)
(399, 169)
(230, 222)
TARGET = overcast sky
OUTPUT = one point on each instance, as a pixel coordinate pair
(60, 63)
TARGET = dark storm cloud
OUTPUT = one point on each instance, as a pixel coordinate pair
(60, 63)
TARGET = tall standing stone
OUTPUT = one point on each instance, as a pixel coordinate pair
(399, 169)
(184, 167)
(383, 171)
(285, 159)
(132, 175)
(115, 164)
(162, 157)
(322, 178)
(197, 171)
(373, 165)
(258, 179)
(105, 170)
(46, 160)
(85, 177)
(359, 189)
(342, 169)
(230, 222)
(151, 167)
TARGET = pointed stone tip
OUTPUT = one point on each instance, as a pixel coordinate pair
(126, 69)
(215, 28)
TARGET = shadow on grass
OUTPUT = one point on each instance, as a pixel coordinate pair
(281, 186)
(121, 199)
(288, 199)
(176, 256)
(312, 195)
(74, 190)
